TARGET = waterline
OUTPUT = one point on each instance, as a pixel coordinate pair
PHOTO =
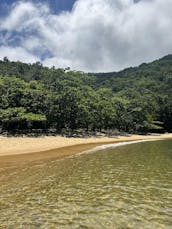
(115, 145)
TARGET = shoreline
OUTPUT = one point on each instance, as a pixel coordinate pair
(10, 146)
(15, 150)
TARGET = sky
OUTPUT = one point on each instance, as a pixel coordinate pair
(86, 35)
(55, 5)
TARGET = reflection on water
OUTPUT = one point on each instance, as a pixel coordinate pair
(125, 187)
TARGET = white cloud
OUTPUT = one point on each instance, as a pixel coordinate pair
(17, 54)
(98, 35)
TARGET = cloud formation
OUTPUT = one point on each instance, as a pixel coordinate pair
(97, 35)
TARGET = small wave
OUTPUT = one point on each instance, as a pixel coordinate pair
(115, 145)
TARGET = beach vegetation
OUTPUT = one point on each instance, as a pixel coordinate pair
(133, 100)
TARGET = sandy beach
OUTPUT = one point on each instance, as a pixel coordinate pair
(27, 145)
(18, 151)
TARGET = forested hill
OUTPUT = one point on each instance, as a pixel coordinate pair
(133, 100)
(146, 76)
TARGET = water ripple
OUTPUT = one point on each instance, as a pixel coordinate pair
(126, 187)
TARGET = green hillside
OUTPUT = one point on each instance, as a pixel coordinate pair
(133, 100)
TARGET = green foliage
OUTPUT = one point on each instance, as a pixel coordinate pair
(136, 99)
(19, 118)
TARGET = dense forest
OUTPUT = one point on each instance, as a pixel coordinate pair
(33, 97)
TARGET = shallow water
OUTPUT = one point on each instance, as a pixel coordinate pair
(125, 187)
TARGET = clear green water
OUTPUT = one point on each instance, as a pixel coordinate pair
(124, 187)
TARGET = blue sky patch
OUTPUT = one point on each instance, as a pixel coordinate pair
(55, 5)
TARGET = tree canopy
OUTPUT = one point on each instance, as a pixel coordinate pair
(133, 100)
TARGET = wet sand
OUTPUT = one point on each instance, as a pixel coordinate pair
(18, 150)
